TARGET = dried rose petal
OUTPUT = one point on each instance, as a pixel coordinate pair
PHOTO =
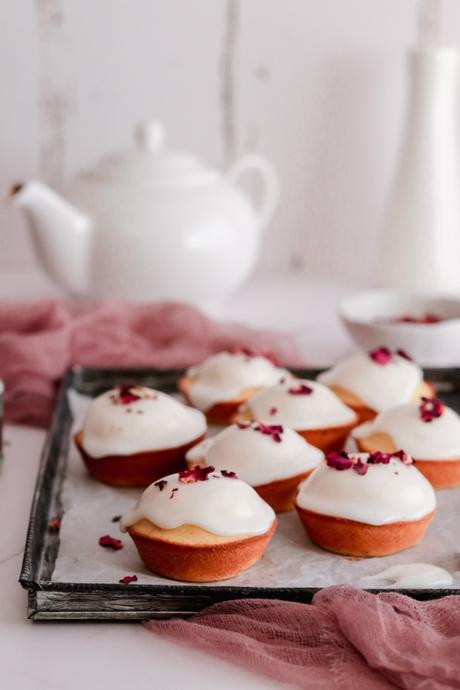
(300, 389)
(405, 458)
(378, 458)
(381, 355)
(431, 318)
(243, 425)
(360, 467)
(54, 524)
(427, 318)
(229, 474)
(127, 393)
(116, 518)
(110, 542)
(403, 353)
(273, 430)
(273, 410)
(161, 484)
(127, 579)
(431, 409)
(196, 474)
(339, 461)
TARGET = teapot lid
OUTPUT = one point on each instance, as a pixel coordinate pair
(150, 163)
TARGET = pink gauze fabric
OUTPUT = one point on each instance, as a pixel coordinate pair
(347, 638)
(40, 340)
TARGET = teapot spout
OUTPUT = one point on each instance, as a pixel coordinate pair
(61, 234)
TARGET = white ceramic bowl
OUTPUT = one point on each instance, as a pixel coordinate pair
(367, 317)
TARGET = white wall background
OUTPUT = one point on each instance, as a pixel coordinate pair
(318, 87)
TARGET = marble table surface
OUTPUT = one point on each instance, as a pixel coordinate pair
(71, 656)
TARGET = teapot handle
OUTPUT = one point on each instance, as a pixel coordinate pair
(253, 162)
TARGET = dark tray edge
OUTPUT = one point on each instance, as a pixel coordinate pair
(169, 600)
(28, 577)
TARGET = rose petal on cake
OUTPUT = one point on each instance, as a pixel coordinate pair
(360, 467)
(195, 474)
(405, 458)
(161, 484)
(300, 389)
(379, 458)
(229, 474)
(381, 355)
(430, 409)
(273, 430)
(404, 355)
(339, 461)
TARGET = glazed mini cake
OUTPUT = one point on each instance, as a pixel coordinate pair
(366, 504)
(429, 431)
(200, 525)
(225, 380)
(133, 435)
(308, 407)
(272, 458)
(375, 381)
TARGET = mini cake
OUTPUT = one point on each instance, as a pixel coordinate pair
(366, 504)
(308, 407)
(271, 458)
(200, 525)
(429, 431)
(225, 380)
(133, 435)
(375, 381)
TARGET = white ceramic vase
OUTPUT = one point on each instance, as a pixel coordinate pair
(420, 249)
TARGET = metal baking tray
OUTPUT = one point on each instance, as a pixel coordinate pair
(48, 600)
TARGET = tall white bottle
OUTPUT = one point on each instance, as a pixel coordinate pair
(420, 248)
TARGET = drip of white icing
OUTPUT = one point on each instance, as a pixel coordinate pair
(435, 440)
(409, 575)
(225, 375)
(379, 386)
(153, 423)
(220, 505)
(386, 493)
(255, 457)
(321, 409)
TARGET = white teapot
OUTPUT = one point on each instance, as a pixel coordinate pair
(151, 224)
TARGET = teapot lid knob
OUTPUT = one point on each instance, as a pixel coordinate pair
(151, 136)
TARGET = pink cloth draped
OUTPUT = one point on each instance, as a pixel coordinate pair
(347, 639)
(40, 340)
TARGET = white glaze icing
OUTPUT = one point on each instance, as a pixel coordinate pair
(152, 423)
(435, 440)
(255, 457)
(228, 507)
(409, 575)
(321, 409)
(386, 493)
(225, 375)
(379, 386)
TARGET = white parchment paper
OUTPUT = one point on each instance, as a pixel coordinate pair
(291, 560)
